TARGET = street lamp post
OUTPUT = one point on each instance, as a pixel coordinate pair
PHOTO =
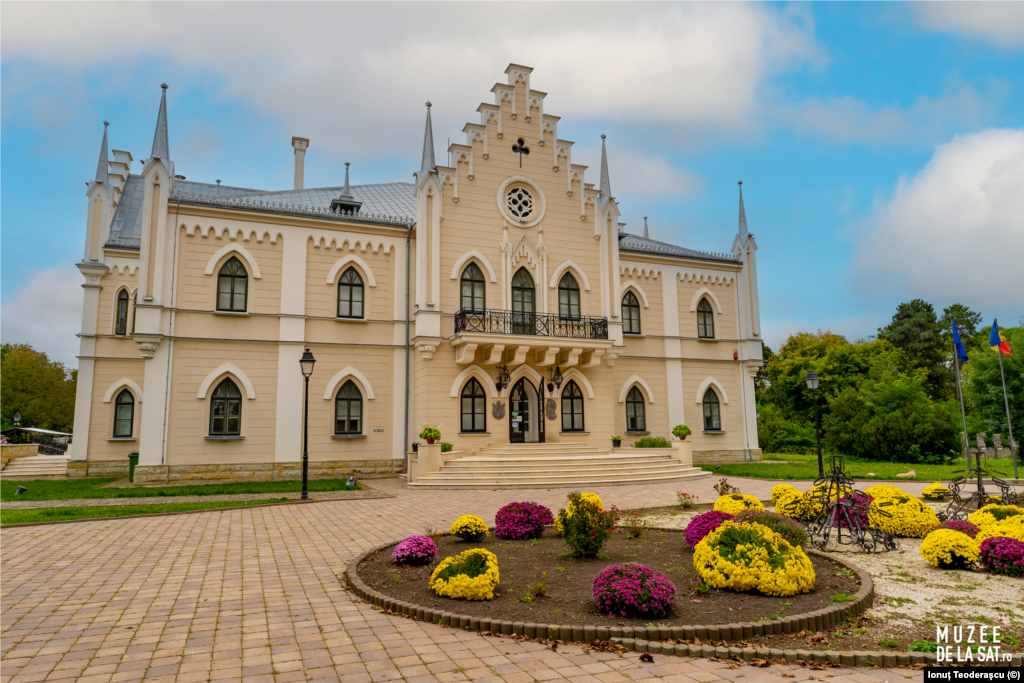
(812, 380)
(306, 363)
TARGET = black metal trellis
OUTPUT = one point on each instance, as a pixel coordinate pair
(961, 506)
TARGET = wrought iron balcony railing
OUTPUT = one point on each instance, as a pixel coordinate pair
(533, 324)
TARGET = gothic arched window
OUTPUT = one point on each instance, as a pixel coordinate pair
(348, 410)
(705, 320)
(473, 289)
(572, 408)
(232, 286)
(523, 303)
(350, 295)
(122, 313)
(474, 407)
(636, 415)
(630, 314)
(568, 298)
(226, 410)
(124, 413)
(712, 414)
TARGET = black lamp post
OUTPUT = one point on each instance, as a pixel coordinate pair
(17, 425)
(306, 363)
(812, 380)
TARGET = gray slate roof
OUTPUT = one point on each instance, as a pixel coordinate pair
(126, 228)
(643, 245)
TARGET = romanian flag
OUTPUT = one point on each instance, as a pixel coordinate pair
(998, 341)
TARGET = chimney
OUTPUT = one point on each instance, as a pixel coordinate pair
(300, 145)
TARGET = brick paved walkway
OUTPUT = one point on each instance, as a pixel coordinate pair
(255, 594)
(165, 500)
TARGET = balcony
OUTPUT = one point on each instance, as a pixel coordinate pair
(540, 339)
(530, 324)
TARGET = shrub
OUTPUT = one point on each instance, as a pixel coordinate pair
(949, 549)
(884, 491)
(779, 489)
(518, 521)
(793, 532)
(789, 504)
(569, 511)
(990, 514)
(681, 431)
(652, 442)
(415, 550)
(469, 528)
(724, 488)
(634, 524)
(470, 575)
(737, 503)
(446, 447)
(1002, 556)
(687, 500)
(589, 527)
(702, 525)
(633, 590)
(747, 556)
(779, 434)
(1012, 527)
(813, 502)
(935, 491)
(961, 525)
(904, 516)
(860, 504)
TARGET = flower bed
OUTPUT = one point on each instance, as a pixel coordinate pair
(990, 514)
(949, 549)
(935, 491)
(415, 550)
(569, 511)
(743, 557)
(470, 575)
(1012, 527)
(633, 590)
(702, 525)
(792, 531)
(905, 516)
(469, 528)
(517, 521)
(961, 525)
(735, 503)
(1002, 556)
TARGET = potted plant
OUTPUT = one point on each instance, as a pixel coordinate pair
(415, 446)
(616, 441)
(681, 432)
(431, 434)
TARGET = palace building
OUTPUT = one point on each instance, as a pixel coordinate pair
(498, 298)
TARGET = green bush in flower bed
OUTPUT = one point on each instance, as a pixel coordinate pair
(652, 442)
(789, 529)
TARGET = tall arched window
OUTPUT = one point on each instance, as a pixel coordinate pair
(474, 407)
(473, 289)
(348, 410)
(630, 314)
(124, 413)
(226, 410)
(572, 408)
(636, 415)
(232, 286)
(523, 303)
(122, 313)
(712, 415)
(568, 298)
(135, 311)
(350, 295)
(705, 320)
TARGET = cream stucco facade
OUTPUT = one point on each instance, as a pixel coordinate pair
(506, 262)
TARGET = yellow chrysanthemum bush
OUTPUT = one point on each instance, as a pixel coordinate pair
(905, 515)
(807, 506)
(934, 491)
(748, 556)
(779, 489)
(569, 511)
(789, 503)
(469, 528)
(470, 575)
(950, 549)
(883, 491)
(735, 503)
(1011, 527)
(991, 514)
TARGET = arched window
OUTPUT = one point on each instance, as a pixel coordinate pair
(350, 295)
(712, 415)
(473, 289)
(474, 407)
(226, 410)
(348, 410)
(568, 298)
(636, 416)
(523, 303)
(124, 413)
(705, 320)
(572, 408)
(232, 286)
(122, 313)
(630, 314)
(135, 311)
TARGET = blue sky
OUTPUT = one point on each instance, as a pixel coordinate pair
(881, 145)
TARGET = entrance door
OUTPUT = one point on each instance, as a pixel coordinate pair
(519, 419)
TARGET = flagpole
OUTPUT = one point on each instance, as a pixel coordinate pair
(1006, 402)
(960, 395)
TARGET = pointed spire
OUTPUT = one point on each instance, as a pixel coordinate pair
(606, 183)
(102, 166)
(647, 235)
(427, 164)
(161, 149)
(743, 216)
(346, 192)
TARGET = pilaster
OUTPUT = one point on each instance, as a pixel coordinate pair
(153, 427)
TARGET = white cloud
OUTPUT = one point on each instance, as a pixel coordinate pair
(46, 314)
(999, 22)
(952, 232)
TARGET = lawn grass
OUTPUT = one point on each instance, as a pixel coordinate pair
(806, 467)
(67, 489)
(64, 514)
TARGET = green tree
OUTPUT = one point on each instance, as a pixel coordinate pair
(43, 391)
(761, 379)
(965, 319)
(778, 434)
(916, 330)
(983, 386)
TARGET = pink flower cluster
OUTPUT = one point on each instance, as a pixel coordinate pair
(702, 525)
(633, 590)
(961, 525)
(415, 550)
(859, 509)
(518, 521)
(1001, 555)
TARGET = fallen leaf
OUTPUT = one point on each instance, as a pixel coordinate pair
(697, 601)
(801, 634)
(647, 657)
(786, 674)
(732, 666)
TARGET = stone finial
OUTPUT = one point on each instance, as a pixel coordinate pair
(997, 441)
(981, 440)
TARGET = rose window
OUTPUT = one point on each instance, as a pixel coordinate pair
(520, 202)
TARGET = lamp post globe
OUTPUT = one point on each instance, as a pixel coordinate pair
(813, 380)
(306, 363)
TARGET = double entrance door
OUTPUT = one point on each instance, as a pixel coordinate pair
(526, 416)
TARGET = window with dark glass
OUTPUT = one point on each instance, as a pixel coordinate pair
(348, 410)
(712, 416)
(124, 413)
(226, 410)
(232, 286)
(636, 417)
(568, 298)
(630, 314)
(350, 295)
(135, 311)
(523, 303)
(705, 320)
(473, 289)
(122, 313)
(474, 407)
(572, 408)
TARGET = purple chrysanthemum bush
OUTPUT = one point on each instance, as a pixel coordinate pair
(519, 521)
(415, 550)
(961, 525)
(702, 525)
(860, 504)
(633, 590)
(1001, 555)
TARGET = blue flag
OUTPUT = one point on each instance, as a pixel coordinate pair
(958, 346)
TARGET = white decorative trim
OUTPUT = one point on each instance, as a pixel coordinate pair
(345, 374)
(227, 249)
(229, 369)
(704, 387)
(521, 371)
(629, 283)
(636, 380)
(574, 373)
(569, 263)
(538, 195)
(473, 253)
(344, 261)
(702, 292)
(125, 382)
(479, 373)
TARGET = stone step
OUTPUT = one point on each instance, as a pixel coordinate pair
(604, 458)
(557, 473)
(559, 467)
(36, 465)
(434, 481)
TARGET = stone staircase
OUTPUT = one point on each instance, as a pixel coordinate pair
(36, 466)
(556, 465)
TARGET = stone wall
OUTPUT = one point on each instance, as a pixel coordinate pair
(98, 468)
(276, 471)
(999, 451)
(726, 457)
(10, 451)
